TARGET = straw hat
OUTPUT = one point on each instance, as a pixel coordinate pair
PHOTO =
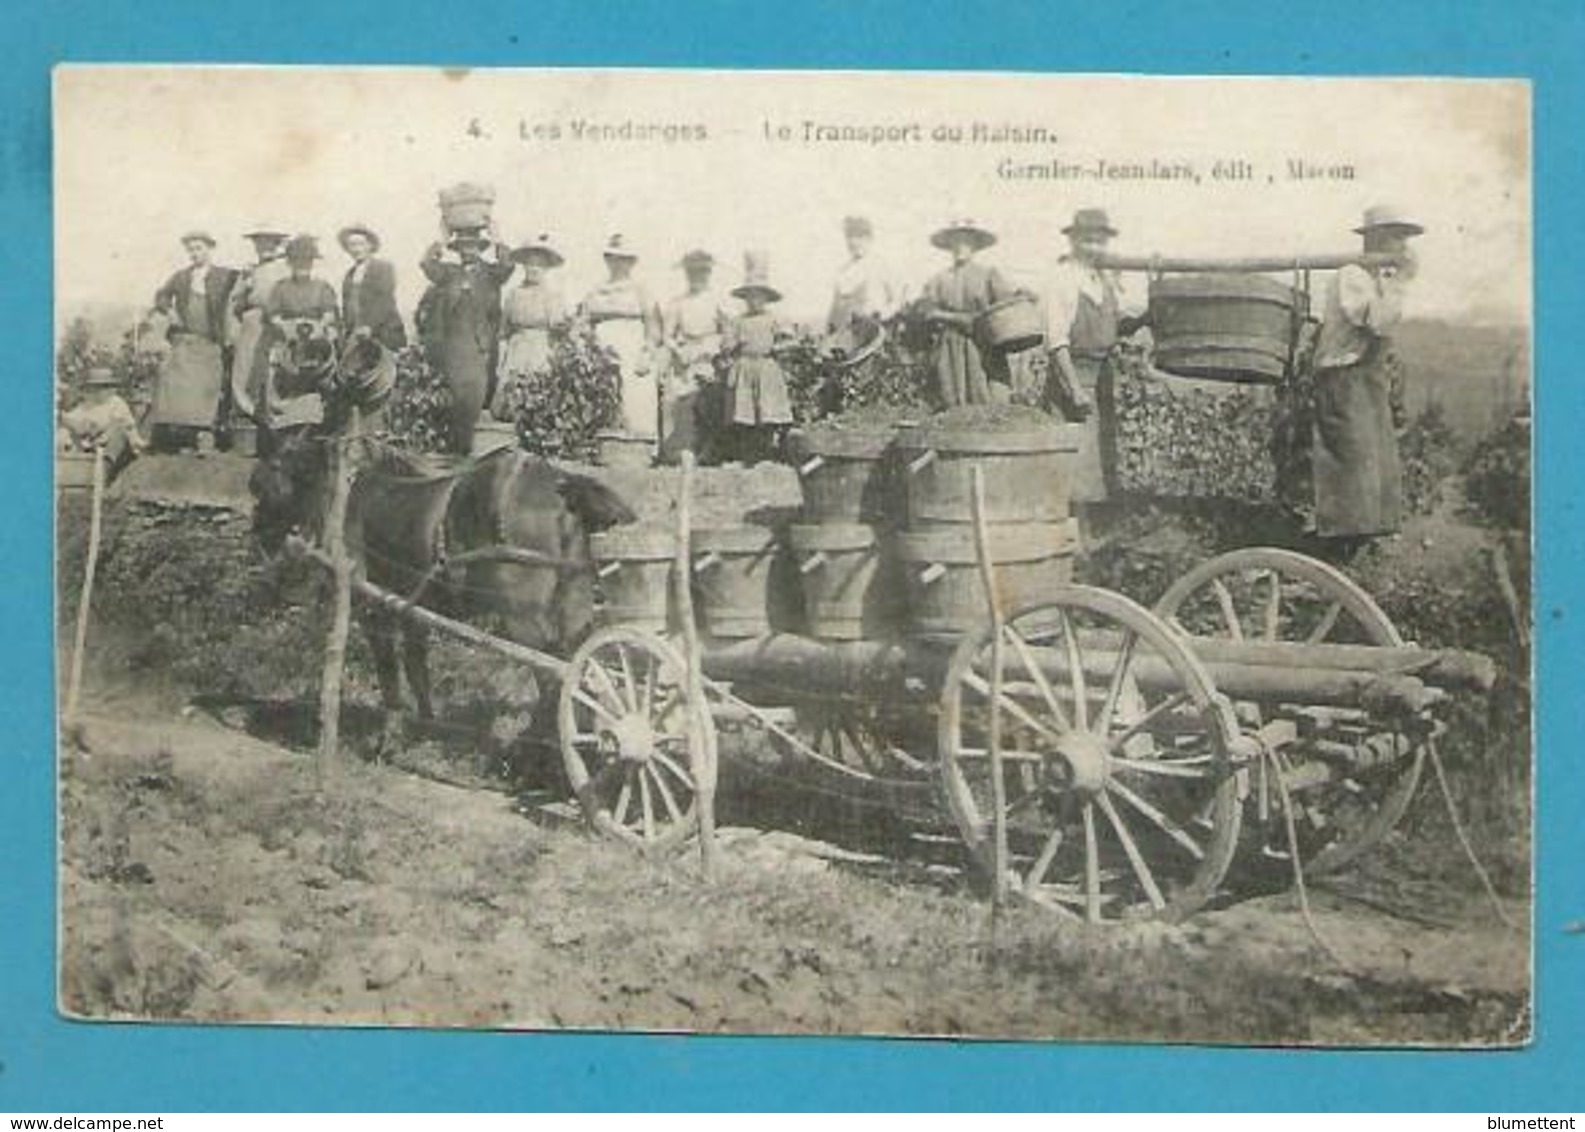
(1386, 216)
(1090, 222)
(961, 229)
(359, 230)
(266, 232)
(302, 249)
(541, 246)
(617, 247)
(101, 377)
(756, 278)
(199, 235)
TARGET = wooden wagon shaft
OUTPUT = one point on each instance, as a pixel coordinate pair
(1449, 669)
(1184, 264)
(800, 665)
(403, 607)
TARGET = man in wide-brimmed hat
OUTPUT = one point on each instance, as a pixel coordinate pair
(189, 391)
(1086, 308)
(103, 420)
(952, 303)
(691, 328)
(459, 322)
(250, 359)
(368, 290)
(626, 321)
(1358, 475)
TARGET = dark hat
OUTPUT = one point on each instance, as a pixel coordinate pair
(696, 260)
(1090, 222)
(756, 278)
(100, 377)
(199, 235)
(857, 226)
(540, 247)
(302, 249)
(962, 229)
(359, 230)
(1380, 217)
(266, 232)
(617, 247)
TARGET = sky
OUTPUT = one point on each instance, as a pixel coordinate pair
(772, 161)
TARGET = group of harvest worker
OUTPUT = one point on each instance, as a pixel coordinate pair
(487, 319)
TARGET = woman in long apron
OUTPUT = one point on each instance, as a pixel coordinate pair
(528, 315)
(627, 323)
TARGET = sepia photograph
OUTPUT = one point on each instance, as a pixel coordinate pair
(977, 555)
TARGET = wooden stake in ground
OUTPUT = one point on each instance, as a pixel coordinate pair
(85, 599)
(341, 615)
(706, 773)
(982, 545)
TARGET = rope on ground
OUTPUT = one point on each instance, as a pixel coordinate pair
(1463, 837)
(1281, 768)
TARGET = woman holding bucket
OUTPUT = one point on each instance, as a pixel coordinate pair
(953, 302)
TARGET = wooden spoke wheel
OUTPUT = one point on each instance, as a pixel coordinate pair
(1266, 594)
(631, 738)
(1119, 790)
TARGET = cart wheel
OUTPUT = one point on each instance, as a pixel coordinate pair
(1119, 785)
(1265, 594)
(631, 738)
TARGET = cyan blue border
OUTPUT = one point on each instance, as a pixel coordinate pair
(51, 1065)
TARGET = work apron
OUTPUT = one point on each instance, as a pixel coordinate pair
(1090, 342)
(1355, 463)
(187, 392)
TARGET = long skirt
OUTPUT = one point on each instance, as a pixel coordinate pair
(757, 393)
(250, 363)
(1355, 462)
(625, 337)
(187, 393)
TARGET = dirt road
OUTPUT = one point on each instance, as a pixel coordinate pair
(202, 880)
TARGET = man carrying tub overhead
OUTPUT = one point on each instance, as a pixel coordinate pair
(1087, 310)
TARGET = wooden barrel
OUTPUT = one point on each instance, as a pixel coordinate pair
(633, 566)
(839, 566)
(1225, 327)
(845, 475)
(732, 569)
(1028, 472)
(946, 596)
(1013, 324)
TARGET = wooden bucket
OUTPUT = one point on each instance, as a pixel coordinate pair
(245, 440)
(74, 470)
(732, 569)
(1028, 472)
(1238, 328)
(491, 435)
(466, 206)
(840, 568)
(1012, 325)
(845, 475)
(633, 567)
(946, 595)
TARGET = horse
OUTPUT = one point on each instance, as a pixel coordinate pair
(502, 537)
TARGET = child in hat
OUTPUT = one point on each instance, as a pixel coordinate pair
(758, 404)
(103, 420)
(953, 301)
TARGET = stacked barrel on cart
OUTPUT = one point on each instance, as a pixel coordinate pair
(884, 545)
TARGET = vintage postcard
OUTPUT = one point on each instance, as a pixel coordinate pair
(990, 555)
